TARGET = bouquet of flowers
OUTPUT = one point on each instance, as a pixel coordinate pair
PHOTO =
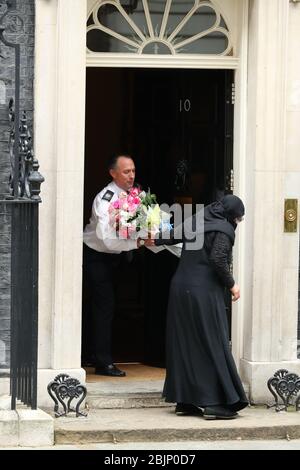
(137, 214)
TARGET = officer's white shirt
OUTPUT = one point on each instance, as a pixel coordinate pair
(98, 233)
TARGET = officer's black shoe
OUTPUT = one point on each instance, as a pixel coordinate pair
(110, 370)
(185, 409)
(218, 412)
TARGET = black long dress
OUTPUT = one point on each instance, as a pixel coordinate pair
(200, 369)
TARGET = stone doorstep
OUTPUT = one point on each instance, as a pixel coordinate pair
(26, 427)
(125, 395)
(161, 424)
(130, 400)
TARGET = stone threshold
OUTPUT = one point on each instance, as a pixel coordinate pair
(122, 395)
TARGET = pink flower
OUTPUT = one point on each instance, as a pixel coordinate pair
(132, 208)
(136, 201)
(134, 192)
(116, 204)
(123, 232)
(130, 199)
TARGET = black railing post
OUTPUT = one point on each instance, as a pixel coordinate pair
(34, 281)
(14, 308)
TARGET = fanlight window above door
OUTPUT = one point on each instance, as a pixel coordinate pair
(157, 27)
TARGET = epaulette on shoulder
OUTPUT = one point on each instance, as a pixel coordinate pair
(107, 196)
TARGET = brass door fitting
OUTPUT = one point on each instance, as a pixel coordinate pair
(290, 215)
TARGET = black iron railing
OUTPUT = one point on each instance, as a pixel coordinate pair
(23, 199)
(24, 267)
(24, 295)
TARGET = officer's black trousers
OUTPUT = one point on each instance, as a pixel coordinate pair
(99, 272)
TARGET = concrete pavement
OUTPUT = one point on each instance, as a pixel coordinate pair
(278, 444)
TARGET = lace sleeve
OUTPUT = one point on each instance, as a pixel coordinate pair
(220, 256)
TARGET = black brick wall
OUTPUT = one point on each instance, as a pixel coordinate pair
(25, 36)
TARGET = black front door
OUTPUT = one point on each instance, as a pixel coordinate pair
(177, 125)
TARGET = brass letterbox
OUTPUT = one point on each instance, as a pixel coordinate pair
(290, 215)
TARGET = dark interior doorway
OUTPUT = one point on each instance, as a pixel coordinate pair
(177, 125)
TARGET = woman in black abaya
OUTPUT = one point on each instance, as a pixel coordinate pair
(201, 375)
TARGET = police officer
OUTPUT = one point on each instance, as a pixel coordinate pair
(102, 251)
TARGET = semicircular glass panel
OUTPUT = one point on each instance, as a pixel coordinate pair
(157, 27)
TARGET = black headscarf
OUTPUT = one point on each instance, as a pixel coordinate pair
(219, 216)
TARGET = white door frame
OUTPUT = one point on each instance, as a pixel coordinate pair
(239, 65)
(59, 90)
(153, 61)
